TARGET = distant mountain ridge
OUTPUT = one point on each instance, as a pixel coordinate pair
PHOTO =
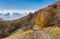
(13, 14)
(7, 16)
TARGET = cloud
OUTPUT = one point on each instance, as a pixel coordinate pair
(22, 12)
(16, 11)
(19, 11)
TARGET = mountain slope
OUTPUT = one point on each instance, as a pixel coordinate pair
(19, 35)
(48, 16)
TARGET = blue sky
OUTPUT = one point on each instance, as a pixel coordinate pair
(24, 4)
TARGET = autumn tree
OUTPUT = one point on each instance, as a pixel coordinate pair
(47, 17)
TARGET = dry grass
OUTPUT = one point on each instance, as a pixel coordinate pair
(54, 32)
(23, 35)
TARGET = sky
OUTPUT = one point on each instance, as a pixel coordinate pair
(24, 4)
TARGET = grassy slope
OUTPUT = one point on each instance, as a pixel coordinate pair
(19, 35)
(53, 32)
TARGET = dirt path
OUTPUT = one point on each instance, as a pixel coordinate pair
(39, 35)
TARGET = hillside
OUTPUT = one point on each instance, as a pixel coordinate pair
(39, 20)
(48, 16)
(19, 35)
(50, 32)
